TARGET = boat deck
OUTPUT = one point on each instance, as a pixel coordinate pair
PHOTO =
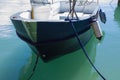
(56, 17)
(62, 16)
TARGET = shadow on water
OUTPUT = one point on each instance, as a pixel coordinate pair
(73, 66)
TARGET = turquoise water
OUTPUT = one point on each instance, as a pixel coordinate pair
(17, 60)
(14, 54)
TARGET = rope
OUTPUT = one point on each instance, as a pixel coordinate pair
(34, 68)
(72, 10)
(85, 53)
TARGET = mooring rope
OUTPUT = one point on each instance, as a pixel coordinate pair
(34, 68)
(85, 53)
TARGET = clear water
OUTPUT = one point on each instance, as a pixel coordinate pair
(17, 60)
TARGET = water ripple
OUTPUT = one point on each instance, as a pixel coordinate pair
(6, 31)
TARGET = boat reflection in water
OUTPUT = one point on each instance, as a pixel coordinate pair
(117, 14)
(73, 66)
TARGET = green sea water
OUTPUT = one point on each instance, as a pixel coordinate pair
(17, 59)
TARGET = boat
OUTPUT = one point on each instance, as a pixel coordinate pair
(47, 28)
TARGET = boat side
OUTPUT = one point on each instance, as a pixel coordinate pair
(51, 39)
(48, 31)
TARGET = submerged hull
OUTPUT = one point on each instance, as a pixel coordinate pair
(51, 39)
